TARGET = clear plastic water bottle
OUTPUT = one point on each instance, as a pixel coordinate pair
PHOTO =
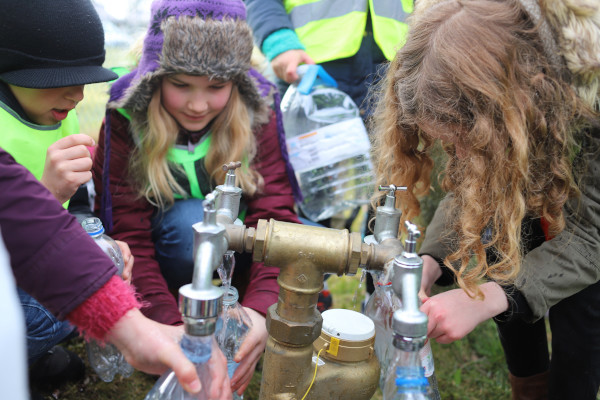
(232, 329)
(380, 308)
(105, 359)
(406, 378)
(198, 349)
(327, 144)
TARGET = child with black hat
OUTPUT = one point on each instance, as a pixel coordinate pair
(193, 104)
(45, 61)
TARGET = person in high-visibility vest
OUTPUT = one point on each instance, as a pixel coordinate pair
(351, 39)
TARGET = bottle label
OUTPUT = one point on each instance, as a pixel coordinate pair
(328, 145)
(427, 359)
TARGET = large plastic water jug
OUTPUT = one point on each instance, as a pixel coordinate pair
(327, 144)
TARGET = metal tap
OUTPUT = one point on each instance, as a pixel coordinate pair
(409, 322)
(386, 244)
(387, 220)
(229, 196)
(200, 302)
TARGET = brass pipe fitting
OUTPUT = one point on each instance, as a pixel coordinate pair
(304, 254)
(330, 250)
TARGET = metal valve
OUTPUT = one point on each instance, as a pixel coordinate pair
(410, 245)
(228, 202)
(409, 321)
(387, 217)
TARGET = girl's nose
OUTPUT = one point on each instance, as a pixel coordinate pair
(197, 104)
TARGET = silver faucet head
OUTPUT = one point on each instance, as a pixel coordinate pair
(387, 217)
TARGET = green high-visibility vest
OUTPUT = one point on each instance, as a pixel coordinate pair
(333, 29)
(196, 179)
(192, 162)
(28, 142)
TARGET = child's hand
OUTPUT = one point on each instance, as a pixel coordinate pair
(431, 272)
(68, 165)
(250, 351)
(453, 314)
(127, 259)
(286, 63)
(152, 348)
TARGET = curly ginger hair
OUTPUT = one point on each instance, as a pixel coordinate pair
(473, 74)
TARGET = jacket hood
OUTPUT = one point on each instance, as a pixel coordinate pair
(570, 33)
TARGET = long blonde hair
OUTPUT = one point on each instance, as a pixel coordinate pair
(476, 69)
(232, 139)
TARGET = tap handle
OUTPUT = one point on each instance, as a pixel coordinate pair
(230, 169)
(390, 198)
(231, 166)
(413, 235)
(209, 201)
(392, 189)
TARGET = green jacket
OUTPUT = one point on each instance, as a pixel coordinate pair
(558, 268)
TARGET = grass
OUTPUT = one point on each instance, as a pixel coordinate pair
(472, 368)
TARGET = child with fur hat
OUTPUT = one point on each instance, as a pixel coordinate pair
(44, 65)
(510, 89)
(192, 104)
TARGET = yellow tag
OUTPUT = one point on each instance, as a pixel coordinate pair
(334, 346)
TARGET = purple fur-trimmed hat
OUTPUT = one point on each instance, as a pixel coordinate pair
(202, 37)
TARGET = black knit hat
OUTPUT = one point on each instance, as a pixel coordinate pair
(49, 44)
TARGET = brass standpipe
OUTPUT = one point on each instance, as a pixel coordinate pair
(304, 254)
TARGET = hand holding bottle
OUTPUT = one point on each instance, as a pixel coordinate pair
(250, 352)
(127, 260)
(285, 64)
(152, 347)
(453, 314)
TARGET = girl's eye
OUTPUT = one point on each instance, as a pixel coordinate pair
(178, 84)
(217, 87)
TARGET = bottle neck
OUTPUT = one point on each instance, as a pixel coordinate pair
(231, 296)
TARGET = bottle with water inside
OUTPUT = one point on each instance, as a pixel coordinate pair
(380, 308)
(327, 144)
(406, 377)
(234, 326)
(198, 350)
(105, 359)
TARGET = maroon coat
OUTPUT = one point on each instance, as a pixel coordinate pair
(132, 219)
(52, 257)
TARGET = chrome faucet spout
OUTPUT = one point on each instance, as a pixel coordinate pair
(200, 301)
(409, 321)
